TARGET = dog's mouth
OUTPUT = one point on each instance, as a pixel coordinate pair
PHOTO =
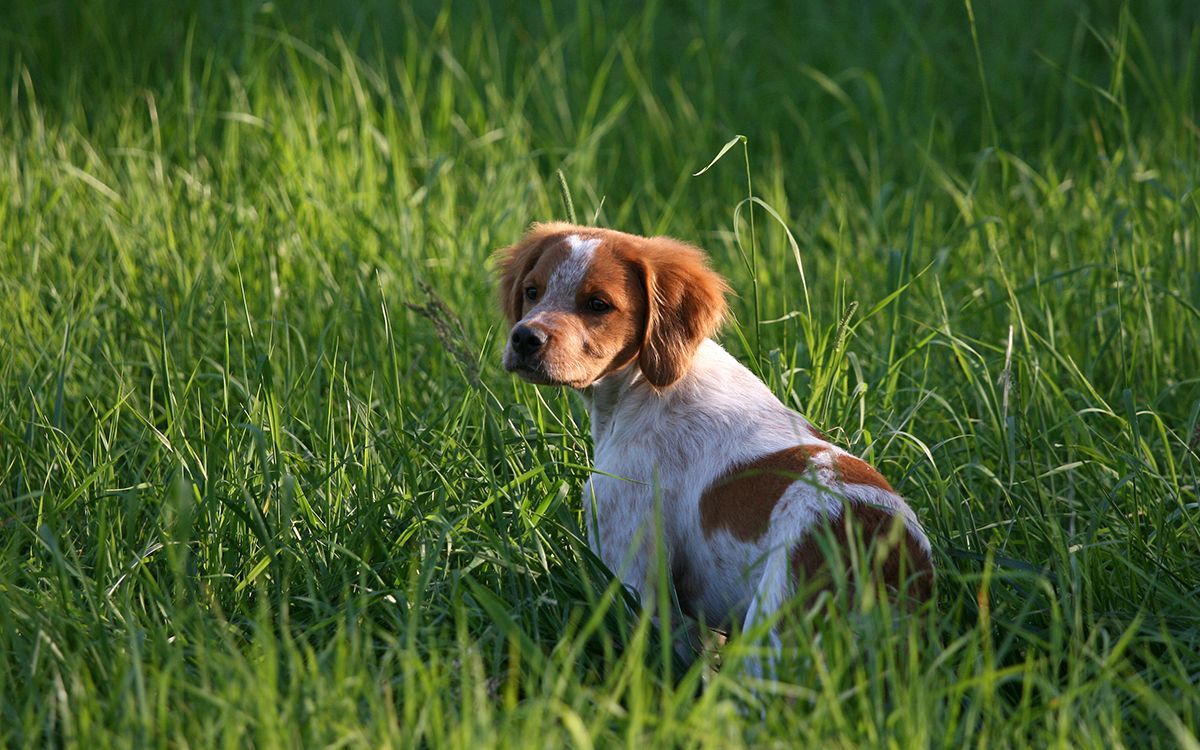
(535, 374)
(531, 372)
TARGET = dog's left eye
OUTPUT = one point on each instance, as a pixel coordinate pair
(595, 304)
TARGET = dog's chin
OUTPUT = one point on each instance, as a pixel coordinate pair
(535, 375)
(532, 375)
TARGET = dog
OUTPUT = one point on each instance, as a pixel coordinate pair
(749, 498)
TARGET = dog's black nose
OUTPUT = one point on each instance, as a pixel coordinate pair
(526, 340)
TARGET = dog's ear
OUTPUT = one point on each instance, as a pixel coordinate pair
(685, 305)
(515, 262)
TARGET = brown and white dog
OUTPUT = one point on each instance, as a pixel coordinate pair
(751, 493)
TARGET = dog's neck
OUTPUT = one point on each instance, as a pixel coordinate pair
(603, 396)
(628, 389)
(715, 388)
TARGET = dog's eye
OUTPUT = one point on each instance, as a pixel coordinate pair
(531, 293)
(597, 305)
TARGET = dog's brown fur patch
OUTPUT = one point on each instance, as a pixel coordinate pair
(857, 471)
(898, 560)
(517, 261)
(685, 305)
(742, 500)
(614, 338)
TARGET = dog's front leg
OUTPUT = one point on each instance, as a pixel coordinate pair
(624, 533)
(620, 529)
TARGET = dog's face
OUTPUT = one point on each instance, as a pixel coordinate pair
(585, 302)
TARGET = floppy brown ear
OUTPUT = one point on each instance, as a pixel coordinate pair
(515, 262)
(686, 303)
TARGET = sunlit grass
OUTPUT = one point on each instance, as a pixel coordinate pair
(262, 480)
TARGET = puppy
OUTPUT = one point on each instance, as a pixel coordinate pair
(753, 498)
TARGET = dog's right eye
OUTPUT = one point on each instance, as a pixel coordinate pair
(531, 293)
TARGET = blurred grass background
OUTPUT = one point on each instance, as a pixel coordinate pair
(263, 482)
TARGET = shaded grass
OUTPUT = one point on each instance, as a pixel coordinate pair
(261, 480)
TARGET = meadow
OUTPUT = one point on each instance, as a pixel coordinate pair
(264, 483)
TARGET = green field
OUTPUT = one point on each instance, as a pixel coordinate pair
(263, 481)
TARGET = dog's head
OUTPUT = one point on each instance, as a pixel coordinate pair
(585, 302)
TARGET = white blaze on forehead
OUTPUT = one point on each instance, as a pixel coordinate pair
(565, 281)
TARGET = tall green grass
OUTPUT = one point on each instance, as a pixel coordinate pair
(263, 482)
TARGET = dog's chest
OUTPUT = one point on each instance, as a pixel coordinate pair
(632, 477)
(647, 486)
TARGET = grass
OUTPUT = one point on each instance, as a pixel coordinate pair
(263, 482)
